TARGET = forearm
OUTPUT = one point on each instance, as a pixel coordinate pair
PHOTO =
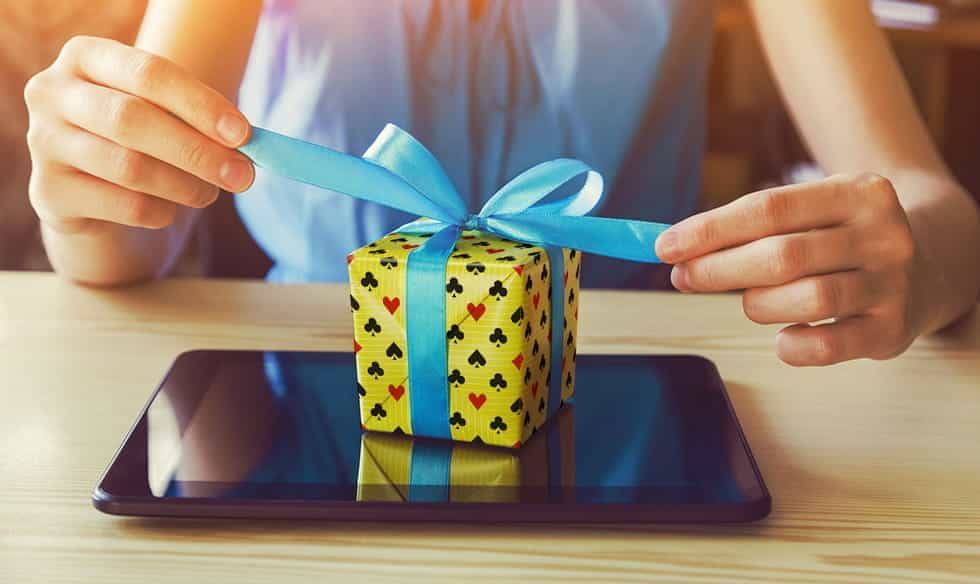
(945, 222)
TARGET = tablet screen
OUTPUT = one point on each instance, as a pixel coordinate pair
(275, 426)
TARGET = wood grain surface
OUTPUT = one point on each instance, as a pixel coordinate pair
(874, 466)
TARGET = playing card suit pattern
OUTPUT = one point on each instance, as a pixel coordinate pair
(500, 327)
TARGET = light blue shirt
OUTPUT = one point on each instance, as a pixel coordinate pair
(491, 87)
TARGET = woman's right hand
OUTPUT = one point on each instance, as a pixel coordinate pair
(118, 135)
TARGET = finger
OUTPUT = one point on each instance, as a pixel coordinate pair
(94, 155)
(769, 262)
(812, 299)
(94, 198)
(827, 344)
(770, 212)
(160, 81)
(139, 125)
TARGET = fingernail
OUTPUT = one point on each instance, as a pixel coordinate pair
(666, 245)
(232, 129)
(678, 277)
(236, 175)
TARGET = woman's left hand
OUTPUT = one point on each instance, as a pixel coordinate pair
(839, 249)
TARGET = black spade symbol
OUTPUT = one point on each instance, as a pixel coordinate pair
(578, 270)
(462, 256)
(498, 382)
(570, 339)
(457, 420)
(528, 284)
(544, 272)
(564, 321)
(549, 293)
(378, 412)
(498, 290)
(372, 326)
(378, 251)
(517, 406)
(398, 430)
(542, 364)
(453, 287)
(506, 258)
(527, 375)
(527, 418)
(454, 334)
(547, 380)
(424, 235)
(571, 296)
(527, 331)
(518, 315)
(456, 378)
(537, 257)
(369, 281)
(477, 359)
(568, 379)
(475, 268)
(498, 337)
(394, 351)
(398, 240)
(498, 424)
(477, 440)
(571, 253)
(544, 318)
(535, 347)
(375, 370)
(389, 262)
(523, 245)
(541, 405)
(361, 391)
(481, 244)
(354, 304)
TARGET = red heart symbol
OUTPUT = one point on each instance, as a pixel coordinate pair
(536, 298)
(549, 335)
(476, 311)
(469, 237)
(391, 304)
(566, 277)
(478, 400)
(350, 258)
(519, 270)
(516, 444)
(357, 346)
(410, 246)
(494, 250)
(518, 360)
(396, 391)
(534, 389)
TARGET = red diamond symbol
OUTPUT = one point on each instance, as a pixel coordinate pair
(357, 346)
(518, 360)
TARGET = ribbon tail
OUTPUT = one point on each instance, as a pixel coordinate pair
(617, 238)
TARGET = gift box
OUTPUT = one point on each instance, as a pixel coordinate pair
(498, 334)
(403, 468)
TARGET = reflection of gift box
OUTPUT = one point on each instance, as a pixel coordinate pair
(402, 468)
(498, 333)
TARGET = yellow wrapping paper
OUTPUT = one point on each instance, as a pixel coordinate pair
(497, 330)
(385, 467)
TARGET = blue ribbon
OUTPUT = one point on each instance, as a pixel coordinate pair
(398, 172)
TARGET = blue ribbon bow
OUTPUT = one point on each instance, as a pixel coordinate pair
(399, 172)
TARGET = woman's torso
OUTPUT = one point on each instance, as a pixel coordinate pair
(492, 87)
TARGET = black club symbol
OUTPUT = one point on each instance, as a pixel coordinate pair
(375, 370)
(398, 240)
(476, 359)
(523, 245)
(453, 287)
(389, 262)
(475, 268)
(518, 315)
(498, 424)
(354, 304)
(454, 334)
(481, 244)
(498, 382)
(498, 337)
(506, 258)
(369, 281)
(378, 251)
(517, 406)
(462, 256)
(498, 290)
(456, 378)
(394, 351)
(536, 255)
(372, 327)
(378, 412)
(457, 420)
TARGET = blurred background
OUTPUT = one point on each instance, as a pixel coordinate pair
(751, 139)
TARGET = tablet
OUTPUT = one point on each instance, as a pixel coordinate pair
(278, 435)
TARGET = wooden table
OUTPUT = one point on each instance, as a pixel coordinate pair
(874, 467)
